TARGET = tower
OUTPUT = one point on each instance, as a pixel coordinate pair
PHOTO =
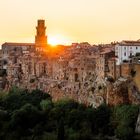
(41, 38)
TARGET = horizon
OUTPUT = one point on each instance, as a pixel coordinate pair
(96, 22)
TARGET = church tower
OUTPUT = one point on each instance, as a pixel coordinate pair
(41, 38)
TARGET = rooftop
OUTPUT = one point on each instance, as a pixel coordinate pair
(130, 43)
(17, 44)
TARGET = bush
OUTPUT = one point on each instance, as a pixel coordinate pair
(46, 105)
(125, 118)
(124, 132)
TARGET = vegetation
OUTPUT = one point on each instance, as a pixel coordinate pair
(32, 115)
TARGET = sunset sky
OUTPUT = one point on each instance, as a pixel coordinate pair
(95, 21)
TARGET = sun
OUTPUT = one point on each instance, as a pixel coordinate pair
(57, 40)
(53, 41)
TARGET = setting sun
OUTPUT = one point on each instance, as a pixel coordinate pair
(57, 40)
(53, 41)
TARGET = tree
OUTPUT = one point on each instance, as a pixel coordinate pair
(101, 120)
(19, 97)
(61, 131)
(125, 117)
(124, 132)
(46, 105)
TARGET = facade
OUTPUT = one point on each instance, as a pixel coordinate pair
(112, 68)
(125, 50)
(105, 64)
(11, 51)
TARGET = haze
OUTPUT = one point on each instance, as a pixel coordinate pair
(94, 21)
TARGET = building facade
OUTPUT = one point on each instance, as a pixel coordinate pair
(11, 51)
(125, 50)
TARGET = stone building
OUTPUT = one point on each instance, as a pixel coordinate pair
(14, 50)
(105, 64)
(112, 68)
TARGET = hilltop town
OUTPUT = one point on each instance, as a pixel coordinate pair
(89, 74)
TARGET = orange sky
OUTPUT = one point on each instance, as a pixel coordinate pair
(95, 21)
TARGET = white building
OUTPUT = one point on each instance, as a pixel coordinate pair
(125, 49)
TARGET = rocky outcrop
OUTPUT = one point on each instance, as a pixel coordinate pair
(123, 91)
(133, 92)
(117, 93)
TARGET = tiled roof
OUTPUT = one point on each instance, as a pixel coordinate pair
(105, 51)
(17, 44)
(129, 43)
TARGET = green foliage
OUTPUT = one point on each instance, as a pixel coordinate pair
(32, 115)
(66, 104)
(46, 105)
(16, 90)
(49, 136)
(74, 136)
(124, 118)
(124, 132)
(101, 119)
(19, 97)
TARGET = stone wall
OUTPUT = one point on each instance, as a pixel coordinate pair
(126, 70)
(136, 77)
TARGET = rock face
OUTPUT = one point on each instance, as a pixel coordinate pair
(117, 93)
(123, 91)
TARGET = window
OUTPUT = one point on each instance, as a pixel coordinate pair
(76, 77)
(136, 48)
(124, 53)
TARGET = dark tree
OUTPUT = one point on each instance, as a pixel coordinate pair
(61, 131)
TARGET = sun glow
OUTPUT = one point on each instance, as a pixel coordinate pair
(57, 40)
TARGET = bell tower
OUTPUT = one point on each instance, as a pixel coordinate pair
(41, 38)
